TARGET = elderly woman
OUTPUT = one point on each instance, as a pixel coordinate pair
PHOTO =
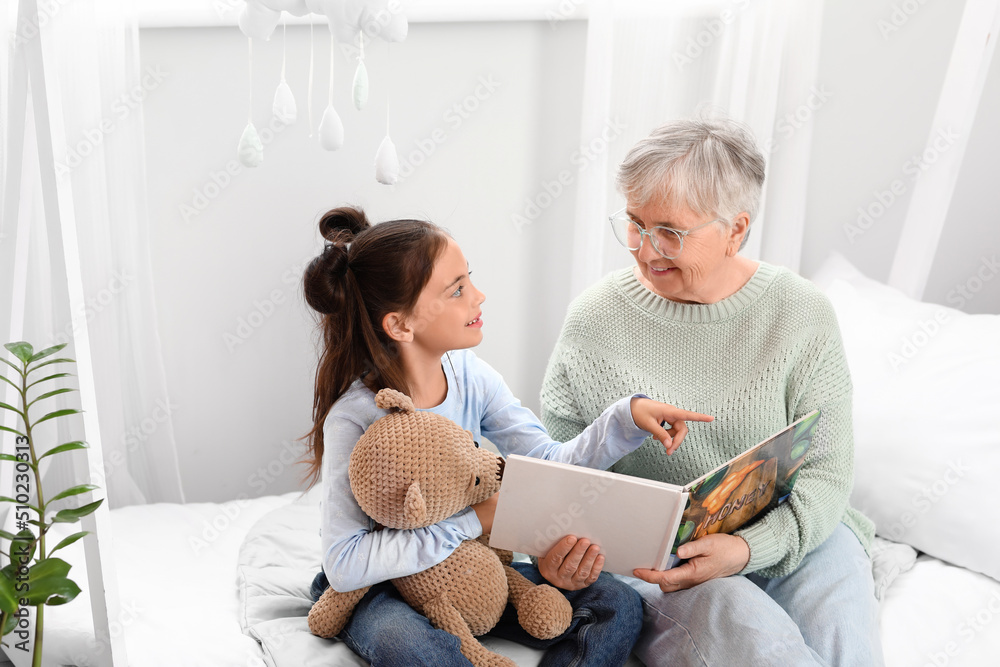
(696, 324)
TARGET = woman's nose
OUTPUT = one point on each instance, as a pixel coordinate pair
(647, 253)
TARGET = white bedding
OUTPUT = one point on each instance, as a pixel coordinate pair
(181, 596)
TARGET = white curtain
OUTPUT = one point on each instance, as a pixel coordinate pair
(650, 62)
(94, 70)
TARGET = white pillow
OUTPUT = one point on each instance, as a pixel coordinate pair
(926, 417)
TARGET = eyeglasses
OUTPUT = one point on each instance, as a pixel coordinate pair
(666, 241)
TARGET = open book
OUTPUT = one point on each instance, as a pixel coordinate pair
(639, 523)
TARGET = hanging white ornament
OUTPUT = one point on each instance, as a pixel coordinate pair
(284, 108)
(257, 21)
(331, 130)
(387, 163)
(293, 7)
(250, 150)
(360, 87)
(284, 104)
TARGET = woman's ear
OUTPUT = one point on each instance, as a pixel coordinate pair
(737, 231)
(397, 328)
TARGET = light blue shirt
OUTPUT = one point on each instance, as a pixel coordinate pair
(355, 555)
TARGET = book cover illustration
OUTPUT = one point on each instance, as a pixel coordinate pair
(748, 486)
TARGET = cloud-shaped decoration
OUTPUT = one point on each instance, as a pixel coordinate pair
(257, 21)
(250, 150)
(293, 7)
(386, 162)
(384, 19)
(331, 130)
(284, 107)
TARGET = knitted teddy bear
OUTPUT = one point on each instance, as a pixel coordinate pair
(412, 469)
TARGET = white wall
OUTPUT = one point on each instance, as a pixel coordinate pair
(238, 408)
(885, 85)
(241, 405)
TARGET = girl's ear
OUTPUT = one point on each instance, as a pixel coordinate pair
(397, 328)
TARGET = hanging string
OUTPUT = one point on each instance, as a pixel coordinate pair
(309, 101)
(329, 100)
(250, 70)
(388, 87)
(284, 44)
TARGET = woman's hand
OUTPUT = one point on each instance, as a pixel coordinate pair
(649, 414)
(709, 557)
(485, 511)
(572, 564)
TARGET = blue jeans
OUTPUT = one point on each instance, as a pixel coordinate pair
(385, 630)
(823, 613)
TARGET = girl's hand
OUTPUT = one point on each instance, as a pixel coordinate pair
(649, 414)
(571, 564)
(709, 557)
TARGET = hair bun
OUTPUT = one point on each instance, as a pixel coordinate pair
(343, 223)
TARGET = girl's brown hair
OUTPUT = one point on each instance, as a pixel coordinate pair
(365, 272)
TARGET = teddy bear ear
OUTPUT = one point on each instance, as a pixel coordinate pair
(390, 398)
(414, 507)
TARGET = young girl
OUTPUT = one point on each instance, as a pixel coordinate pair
(399, 310)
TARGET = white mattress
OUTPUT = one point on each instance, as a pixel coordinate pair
(177, 581)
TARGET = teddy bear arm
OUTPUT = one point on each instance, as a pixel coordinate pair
(329, 614)
(444, 616)
(542, 610)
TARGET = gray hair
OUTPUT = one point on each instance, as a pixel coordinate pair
(712, 166)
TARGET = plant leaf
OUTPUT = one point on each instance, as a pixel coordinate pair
(46, 352)
(76, 513)
(25, 536)
(72, 491)
(50, 394)
(7, 536)
(12, 457)
(11, 407)
(10, 382)
(8, 596)
(14, 366)
(58, 413)
(46, 363)
(51, 377)
(76, 444)
(11, 500)
(47, 583)
(21, 350)
(4, 428)
(9, 626)
(69, 540)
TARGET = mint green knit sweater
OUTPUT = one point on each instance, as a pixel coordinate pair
(757, 361)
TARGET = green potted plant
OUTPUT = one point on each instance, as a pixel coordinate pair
(33, 577)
